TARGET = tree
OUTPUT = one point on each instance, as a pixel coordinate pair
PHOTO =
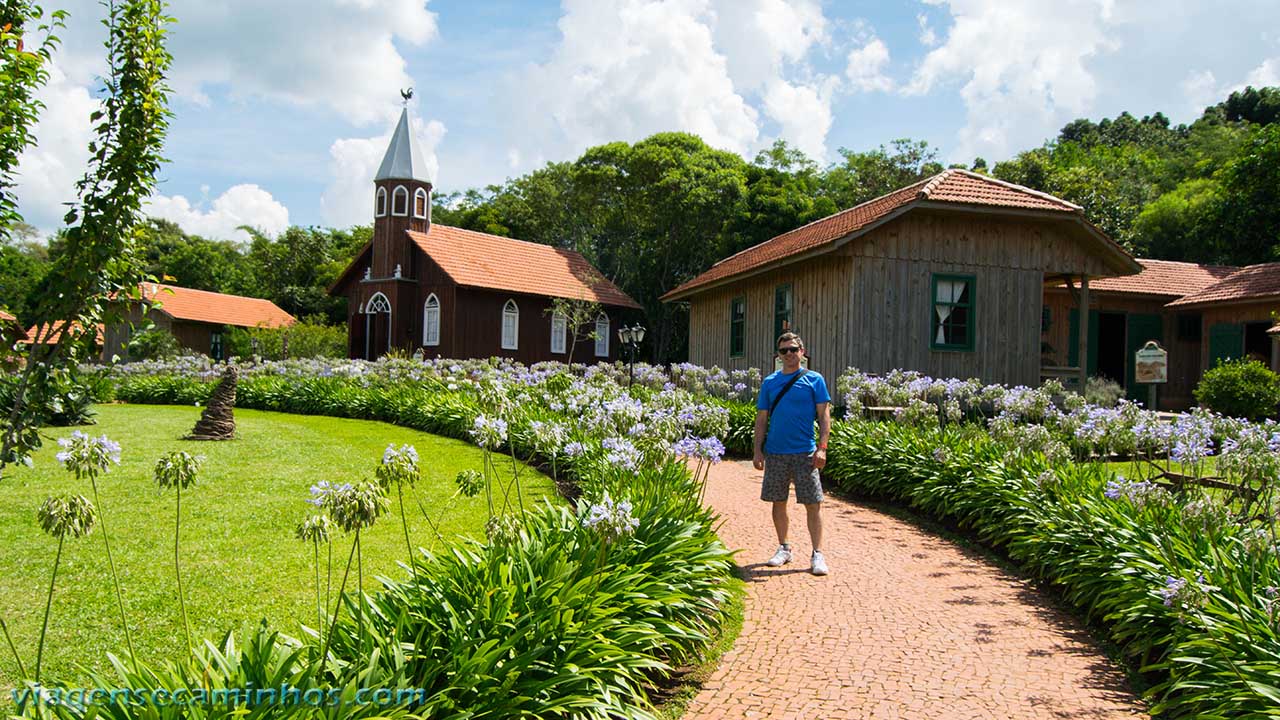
(863, 176)
(1248, 218)
(99, 268)
(579, 316)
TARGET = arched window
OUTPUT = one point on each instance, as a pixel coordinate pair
(378, 304)
(559, 328)
(420, 203)
(602, 335)
(375, 327)
(431, 321)
(510, 325)
(400, 201)
(380, 205)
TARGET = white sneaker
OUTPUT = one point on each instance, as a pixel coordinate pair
(818, 564)
(782, 557)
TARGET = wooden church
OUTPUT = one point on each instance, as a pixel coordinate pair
(463, 294)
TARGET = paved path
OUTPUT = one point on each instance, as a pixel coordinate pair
(907, 625)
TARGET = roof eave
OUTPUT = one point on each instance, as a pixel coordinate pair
(1197, 304)
(835, 244)
(342, 277)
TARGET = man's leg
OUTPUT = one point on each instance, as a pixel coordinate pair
(780, 521)
(813, 513)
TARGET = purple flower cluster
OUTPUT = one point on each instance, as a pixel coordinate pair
(708, 449)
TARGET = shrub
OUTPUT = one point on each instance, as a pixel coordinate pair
(310, 337)
(153, 344)
(1102, 391)
(1240, 388)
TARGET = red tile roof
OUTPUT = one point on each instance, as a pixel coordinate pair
(476, 259)
(1255, 282)
(36, 333)
(210, 307)
(1164, 277)
(11, 321)
(954, 186)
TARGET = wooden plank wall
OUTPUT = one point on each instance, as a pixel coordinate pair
(1184, 356)
(868, 305)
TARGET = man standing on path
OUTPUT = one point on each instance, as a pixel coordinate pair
(790, 400)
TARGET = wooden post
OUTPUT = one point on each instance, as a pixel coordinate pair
(1083, 353)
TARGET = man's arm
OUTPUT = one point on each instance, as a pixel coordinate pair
(762, 423)
(824, 434)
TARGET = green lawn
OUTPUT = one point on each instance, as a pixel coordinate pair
(240, 560)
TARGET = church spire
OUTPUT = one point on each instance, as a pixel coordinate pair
(403, 160)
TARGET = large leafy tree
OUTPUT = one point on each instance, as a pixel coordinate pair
(1248, 216)
(861, 176)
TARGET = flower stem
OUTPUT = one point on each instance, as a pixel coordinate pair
(177, 569)
(404, 522)
(115, 578)
(22, 671)
(48, 605)
(324, 655)
(320, 610)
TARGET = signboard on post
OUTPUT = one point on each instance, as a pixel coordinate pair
(1151, 368)
(1151, 364)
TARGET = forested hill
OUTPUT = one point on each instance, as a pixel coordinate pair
(654, 213)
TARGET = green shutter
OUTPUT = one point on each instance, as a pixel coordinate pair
(1073, 341)
(1139, 328)
(1226, 342)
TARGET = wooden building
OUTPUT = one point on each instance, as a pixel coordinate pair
(1237, 312)
(1125, 313)
(464, 294)
(946, 276)
(197, 318)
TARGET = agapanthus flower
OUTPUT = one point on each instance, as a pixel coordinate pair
(67, 516)
(399, 466)
(489, 433)
(612, 520)
(84, 455)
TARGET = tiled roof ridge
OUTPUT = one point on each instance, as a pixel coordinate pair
(1012, 186)
(167, 286)
(531, 243)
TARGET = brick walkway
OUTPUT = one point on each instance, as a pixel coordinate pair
(907, 625)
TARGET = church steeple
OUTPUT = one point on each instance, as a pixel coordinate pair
(403, 160)
(402, 201)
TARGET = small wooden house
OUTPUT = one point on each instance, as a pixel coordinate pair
(946, 276)
(197, 318)
(1125, 313)
(464, 294)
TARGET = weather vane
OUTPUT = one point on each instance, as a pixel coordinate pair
(407, 95)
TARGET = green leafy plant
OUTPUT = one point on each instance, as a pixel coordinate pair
(153, 344)
(1240, 388)
(1103, 392)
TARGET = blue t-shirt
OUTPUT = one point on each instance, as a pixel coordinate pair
(791, 425)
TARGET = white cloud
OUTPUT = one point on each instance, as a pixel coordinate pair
(240, 205)
(1200, 88)
(338, 54)
(625, 69)
(1265, 75)
(804, 114)
(47, 173)
(1022, 67)
(928, 37)
(348, 200)
(865, 68)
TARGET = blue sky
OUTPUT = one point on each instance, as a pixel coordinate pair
(282, 109)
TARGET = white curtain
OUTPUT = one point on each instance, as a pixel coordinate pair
(602, 336)
(431, 322)
(948, 291)
(559, 326)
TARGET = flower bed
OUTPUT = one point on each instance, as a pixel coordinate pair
(1182, 577)
(562, 613)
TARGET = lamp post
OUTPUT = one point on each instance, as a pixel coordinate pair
(631, 338)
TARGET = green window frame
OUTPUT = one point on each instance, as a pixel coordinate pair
(952, 312)
(783, 305)
(737, 327)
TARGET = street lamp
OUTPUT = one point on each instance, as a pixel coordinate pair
(631, 338)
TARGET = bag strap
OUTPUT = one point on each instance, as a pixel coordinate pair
(785, 388)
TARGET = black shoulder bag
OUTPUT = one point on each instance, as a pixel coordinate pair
(785, 388)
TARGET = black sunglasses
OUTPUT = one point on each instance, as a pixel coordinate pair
(786, 350)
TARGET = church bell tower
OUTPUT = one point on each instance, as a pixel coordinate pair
(402, 201)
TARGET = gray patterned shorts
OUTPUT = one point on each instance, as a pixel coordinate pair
(781, 470)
